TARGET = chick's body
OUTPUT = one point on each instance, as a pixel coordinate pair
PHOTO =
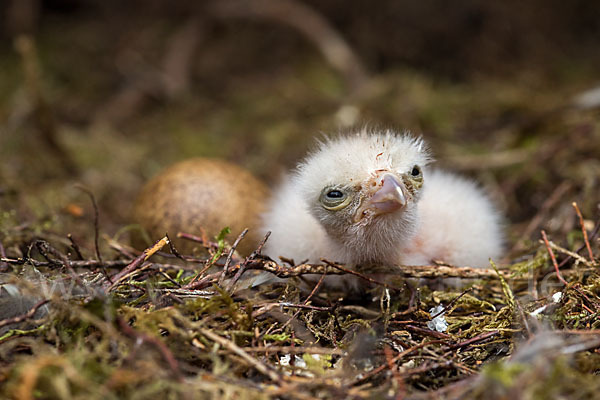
(370, 199)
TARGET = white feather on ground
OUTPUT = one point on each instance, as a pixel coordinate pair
(370, 199)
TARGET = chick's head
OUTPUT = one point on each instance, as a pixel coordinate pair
(363, 189)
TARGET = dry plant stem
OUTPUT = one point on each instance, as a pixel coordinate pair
(44, 248)
(197, 239)
(398, 357)
(264, 264)
(361, 276)
(454, 300)
(571, 254)
(260, 367)
(173, 249)
(591, 238)
(427, 332)
(167, 277)
(230, 255)
(315, 289)
(96, 219)
(312, 293)
(74, 264)
(474, 339)
(27, 315)
(195, 283)
(149, 252)
(75, 246)
(305, 306)
(264, 308)
(160, 346)
(244, 266)
(405, 271)
(585, 236)
(123, 250)
(295, 350)
(288, 272)
(523, 318)
(577, 288)
(558, 275)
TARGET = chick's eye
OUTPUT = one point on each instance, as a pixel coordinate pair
(334, 199)
(416, 171)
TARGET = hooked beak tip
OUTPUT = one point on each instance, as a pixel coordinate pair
(389, 197)
(391, 190)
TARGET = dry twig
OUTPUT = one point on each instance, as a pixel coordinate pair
(554, 263)
(262, 368)
(27, 315)
(149, 252)
(585, 235)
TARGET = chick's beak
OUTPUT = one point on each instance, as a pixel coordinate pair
(389, 197)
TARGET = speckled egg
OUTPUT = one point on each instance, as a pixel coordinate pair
(201, 193)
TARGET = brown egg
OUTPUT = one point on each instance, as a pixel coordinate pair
(201, 194)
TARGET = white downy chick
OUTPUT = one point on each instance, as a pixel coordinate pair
(370, 199)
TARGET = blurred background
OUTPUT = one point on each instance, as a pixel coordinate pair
(105, 93)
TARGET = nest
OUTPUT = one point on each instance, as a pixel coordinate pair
(159, 323)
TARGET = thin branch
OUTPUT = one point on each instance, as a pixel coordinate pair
(27, 315)
(474, 339)
(74, 264)
(558, 275)
(361, 276)
(149, 252)
(230, 255)
(591, 238)
(75, 246)
(398, 357)
(295, 350)
(452, 302)
(585, 235)
(571, 254)
(44, 248)
(243, 267)
(312, 293)
(96, 219)
(260, 367)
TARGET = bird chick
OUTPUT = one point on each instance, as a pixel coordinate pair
(371, 199)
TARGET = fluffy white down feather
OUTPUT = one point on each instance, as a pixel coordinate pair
(434, 216)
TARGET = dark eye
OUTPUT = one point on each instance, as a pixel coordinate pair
(416, 171)
(334, 199)
(335, 194)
